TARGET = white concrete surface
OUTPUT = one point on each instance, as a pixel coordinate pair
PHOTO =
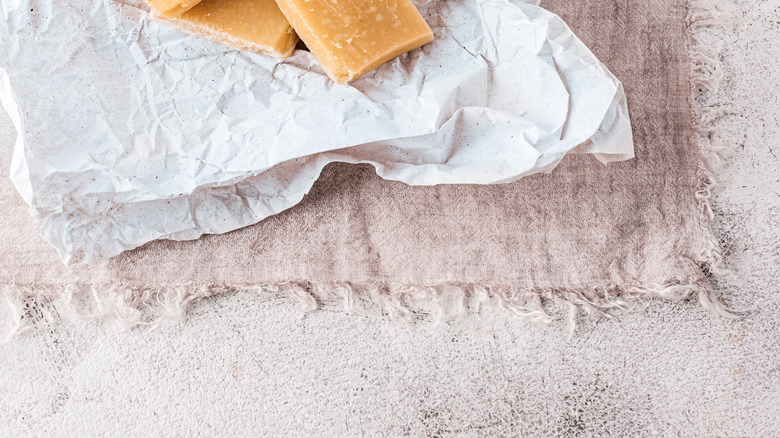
(248, 365)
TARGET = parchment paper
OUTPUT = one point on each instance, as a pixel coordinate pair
(130, 131)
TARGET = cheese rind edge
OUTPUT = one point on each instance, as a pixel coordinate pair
(350, 38)
(256, 25)
(171, 8)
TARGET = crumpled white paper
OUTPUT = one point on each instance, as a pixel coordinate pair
(131, 131)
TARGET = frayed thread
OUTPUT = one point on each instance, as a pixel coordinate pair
(30, 306)
(706, 74)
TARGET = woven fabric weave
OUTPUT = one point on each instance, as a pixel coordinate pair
(586, 233)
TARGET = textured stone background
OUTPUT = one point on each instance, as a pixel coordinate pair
(242, 364)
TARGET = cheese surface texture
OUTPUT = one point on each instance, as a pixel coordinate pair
(352, 37)
(256, 25)
(171, 8)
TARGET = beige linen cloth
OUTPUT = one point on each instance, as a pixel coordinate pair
(590, 236)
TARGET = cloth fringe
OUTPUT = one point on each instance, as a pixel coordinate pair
(706, 75)
(28, 307)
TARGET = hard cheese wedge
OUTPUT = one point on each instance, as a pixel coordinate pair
(352, 37)
(171, 8)
(256, 25)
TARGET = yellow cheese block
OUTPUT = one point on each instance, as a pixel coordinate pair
(171, 8)
(352, 37)
(256, 25)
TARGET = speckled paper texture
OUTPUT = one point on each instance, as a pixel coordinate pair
(131, 131)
